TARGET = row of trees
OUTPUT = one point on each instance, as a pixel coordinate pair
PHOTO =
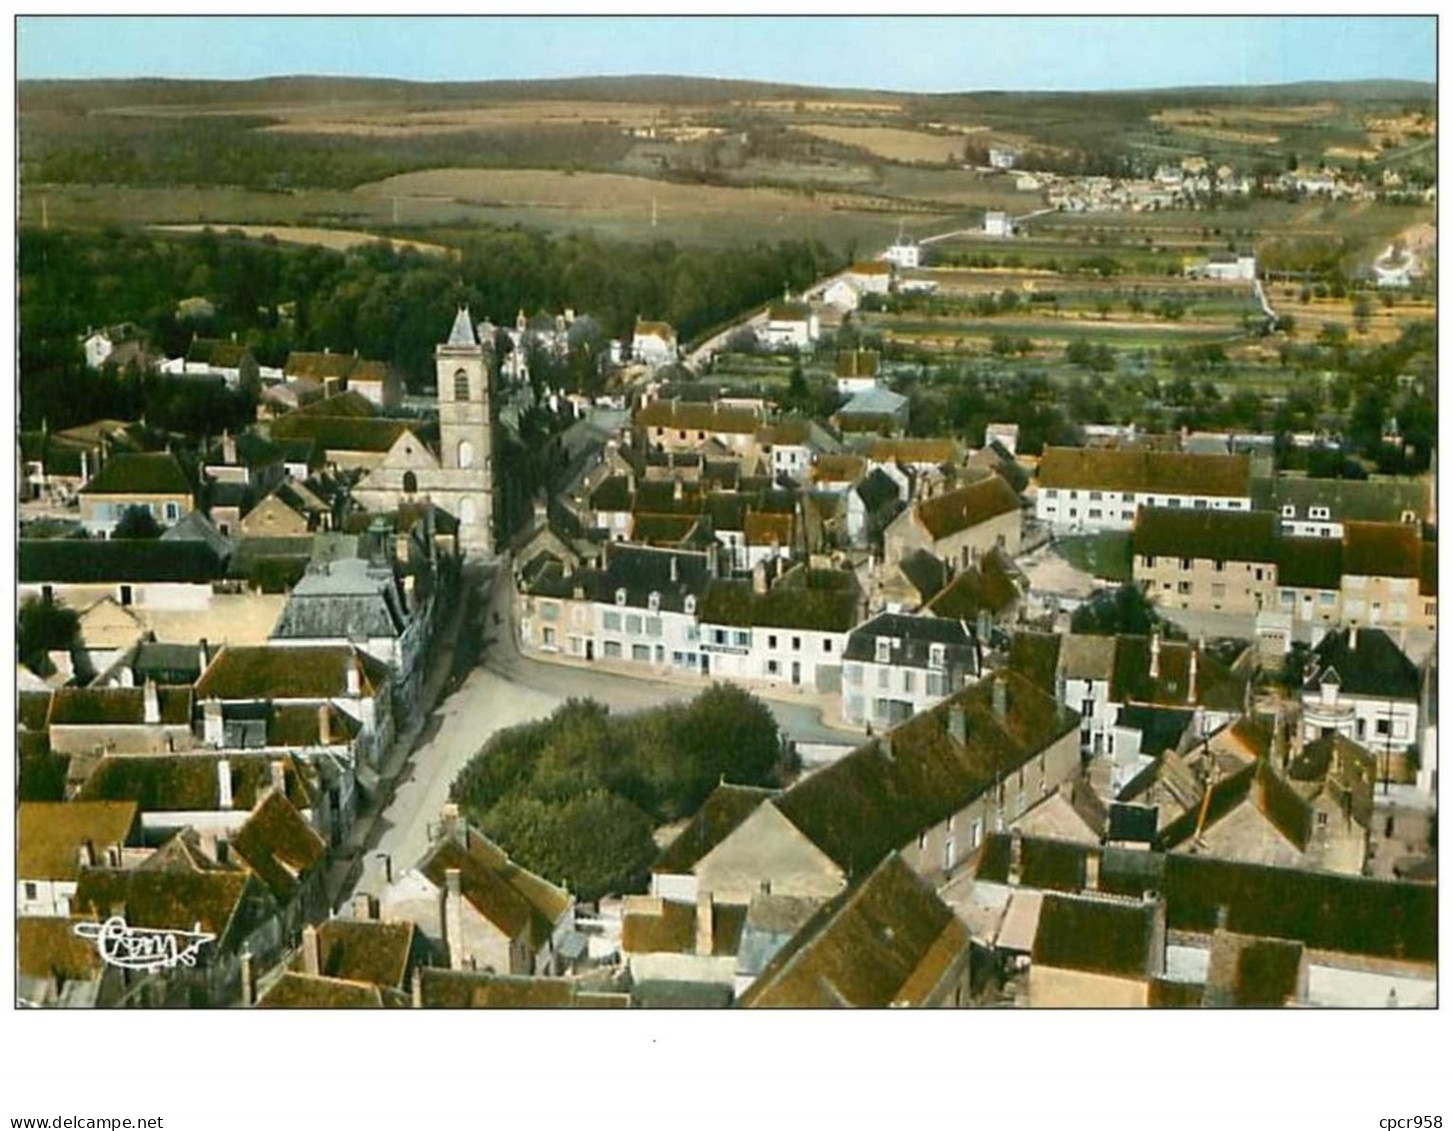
(575, 797)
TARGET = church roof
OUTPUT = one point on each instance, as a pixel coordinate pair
(462, 333)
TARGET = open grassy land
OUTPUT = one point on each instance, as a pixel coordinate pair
(335, 239)
(908, 146)
(1100, 555)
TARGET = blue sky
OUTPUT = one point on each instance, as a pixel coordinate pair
(910, 54)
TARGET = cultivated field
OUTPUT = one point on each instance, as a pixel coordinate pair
(908, 146)
(373, 121)
(335, 239)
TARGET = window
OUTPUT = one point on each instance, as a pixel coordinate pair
(797, 644)
(772, 642)
(1127, 497)
(882, 679)
(1201, 504)
(125, 595)
(935, 656)
(1186, 563)
(547, 637)
(976, 833)
(171, 512)
(1095, 512)
(742, 639)
(853, 675)
(1384, 728)
(718, 636)
(466, 454)
(47, 593)
(1148, 561)
(461, 385)
(612, 650)
(934, 684)
(411, 483)
(773, 667)
(907, 681)
(653, 626)
(1327, 597)
(1173, 503)
(1287, 596)
(883, 650)
(826, 644)
(641, 653)
(32, 892)
(1219, 566)
(611, 622)
(1218, 591)
(1094, 496)
(633, 624)
(922, 844)
(1184, 588)
(1321, 819)
(1051, 493)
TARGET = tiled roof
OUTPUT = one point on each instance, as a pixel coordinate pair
(876, 799)
(219, 353)
(462, 989)
(282, 672)
(1131, 469)
(1347, 500)
(367, 951)
(726, 807)
(1309, 563)
(955, 511)
(1382, 549)
(342, 434)
(693, 417)
(48, 947)
(306, 991)
(857, 363)
(318, 366)
(888, 940)
(140, 473)
(180, 783)
(279, 845)
(49, 835)
(907, 450)
(1237, 536)
(837, 469)
(673, 930)
(660, 330)
(912, 638)
(177, 901)
(1097, 936)
(1252, 973)
(118, 706)
(825, 601)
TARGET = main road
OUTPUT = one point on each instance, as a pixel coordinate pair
(507, 689)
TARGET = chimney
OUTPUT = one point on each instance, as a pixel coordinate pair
(86, 854)
(363, 908)
(450, 826)
(1191, 678)
(277, 772)
(222, 850)
(674, 570)
(245, 972)
(703, 924)
(1223, 914)
(383, 868)
(212, 722)
(678, 491)
(150, 705)
(958, 725)
(1155, 653)
(1352, 638)
(325, 725)
(1092, 871)
(1001, 699)
(229, 448)
(453, 919)
(354, 676)
(202, 654)
(224, 784)
(312, 963)
(85, 466)
(1061, 687)
(416, 988)
(1016, 856)
(759, 578)
(885, 744)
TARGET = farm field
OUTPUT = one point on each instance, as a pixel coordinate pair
(335, 239)
(910, 146)
(372, 120)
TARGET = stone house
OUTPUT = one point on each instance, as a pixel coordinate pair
(153, 481)
(959, 526)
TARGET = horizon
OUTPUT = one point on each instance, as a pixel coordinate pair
(968, 54)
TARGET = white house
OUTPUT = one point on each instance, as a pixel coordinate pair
(1362, 686)
(896, 666)
(790, 324)
(871, 278)
(843, 294)
(1002, 158)
(1096, 489)
(904, 253)
(653, 344)
(1228, 268)
(998, 225)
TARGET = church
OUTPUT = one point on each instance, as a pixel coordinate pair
(459, 477)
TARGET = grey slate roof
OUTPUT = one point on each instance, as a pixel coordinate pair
(348, 597)
(912, 637)
(1375, 667)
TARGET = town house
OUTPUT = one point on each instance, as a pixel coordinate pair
(1095, 489)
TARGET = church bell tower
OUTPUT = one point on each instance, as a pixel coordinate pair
(463, 368)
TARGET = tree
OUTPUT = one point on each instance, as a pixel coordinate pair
(137, 522)
(1361, 313)
(595, 844)
(41, 627)
(1123, 610)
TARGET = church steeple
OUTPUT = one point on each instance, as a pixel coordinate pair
(462, 334)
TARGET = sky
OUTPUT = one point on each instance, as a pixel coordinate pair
(924, 54)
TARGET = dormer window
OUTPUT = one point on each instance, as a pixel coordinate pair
(1319, 513)
(620, 596)
(690, 606)
(936, 656)
(1409, 517)
(653, 602)
(883, 650)
(1288, 511)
